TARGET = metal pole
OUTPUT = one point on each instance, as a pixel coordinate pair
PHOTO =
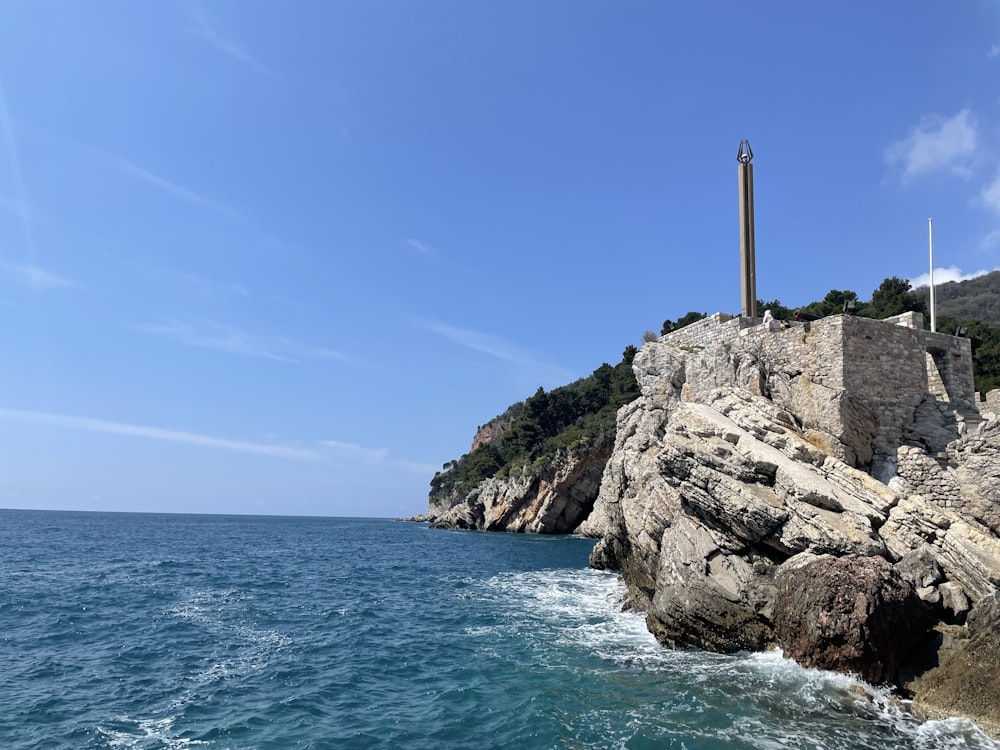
(748, 253)
(930, 244)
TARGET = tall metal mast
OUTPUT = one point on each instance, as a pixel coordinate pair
(748, 254)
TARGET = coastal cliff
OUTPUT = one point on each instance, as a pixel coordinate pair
(552, 496)
(537, 467)
(827, 489)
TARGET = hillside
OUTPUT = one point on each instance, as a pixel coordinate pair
(973, 299)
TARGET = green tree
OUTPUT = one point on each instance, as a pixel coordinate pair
(833, 303)
(894, 296)
(670, 326)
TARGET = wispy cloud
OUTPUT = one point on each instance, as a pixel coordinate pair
(21, 206)
(994, 51)
(158, 433)
(203, 27)
(944, 275)
(33, 277)
(201, 285)
(172, 188)
(418, 246)
(935, 144)
(480, 342)
(211, 334)
(358, 454)
(990, 241)
(494, 346)
(990, 194)
(417, 467)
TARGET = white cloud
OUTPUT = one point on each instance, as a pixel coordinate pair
(936, 143)
(993, 52)
(944, 275)
(201, 285)
(418, 246)
(480, 342)
(157, 433)
(990, 241)
(991, 194)
(33, 277)
(496, 347)
(172, 188)
(210, 334)
(201, 26)
(357, 452)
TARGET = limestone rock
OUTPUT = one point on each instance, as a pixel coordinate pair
(966, 552)
(850, 614)
(954, 601)
(706, 597)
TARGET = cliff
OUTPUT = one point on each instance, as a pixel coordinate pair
(828, 489)
(552, 496)
(537, 467)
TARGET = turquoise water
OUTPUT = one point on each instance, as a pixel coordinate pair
(170, 631)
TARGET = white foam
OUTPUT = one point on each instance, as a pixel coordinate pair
(582, 609)
(244, 650)
(143, 733)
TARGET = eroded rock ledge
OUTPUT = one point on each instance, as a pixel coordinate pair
(740, 505)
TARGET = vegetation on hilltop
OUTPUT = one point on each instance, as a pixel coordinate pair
(972, 299)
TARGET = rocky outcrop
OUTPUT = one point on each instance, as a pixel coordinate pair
(490, 431)
(739, 505)
(550, 497)
(959, 671)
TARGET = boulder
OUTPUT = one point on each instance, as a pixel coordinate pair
(850, 614)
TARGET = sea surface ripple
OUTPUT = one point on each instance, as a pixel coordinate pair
(172, 631)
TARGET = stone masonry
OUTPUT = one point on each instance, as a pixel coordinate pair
(900, 392)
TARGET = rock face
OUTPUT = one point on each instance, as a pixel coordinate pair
(490, 431)
(552, 497)
(740, 505)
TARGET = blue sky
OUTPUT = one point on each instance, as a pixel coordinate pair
(268, 257)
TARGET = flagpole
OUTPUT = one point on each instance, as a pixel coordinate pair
(930, 244)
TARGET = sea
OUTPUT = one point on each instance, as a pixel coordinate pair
(198, 631)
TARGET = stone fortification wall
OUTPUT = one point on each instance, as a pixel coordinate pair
(715, 329)
(859, 380)
(952, 356)
(813, 351)
(885, 368)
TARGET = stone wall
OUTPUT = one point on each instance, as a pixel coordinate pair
(715, 329)
(853, 376)
(885, 368)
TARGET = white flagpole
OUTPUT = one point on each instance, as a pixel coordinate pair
(930, 244)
